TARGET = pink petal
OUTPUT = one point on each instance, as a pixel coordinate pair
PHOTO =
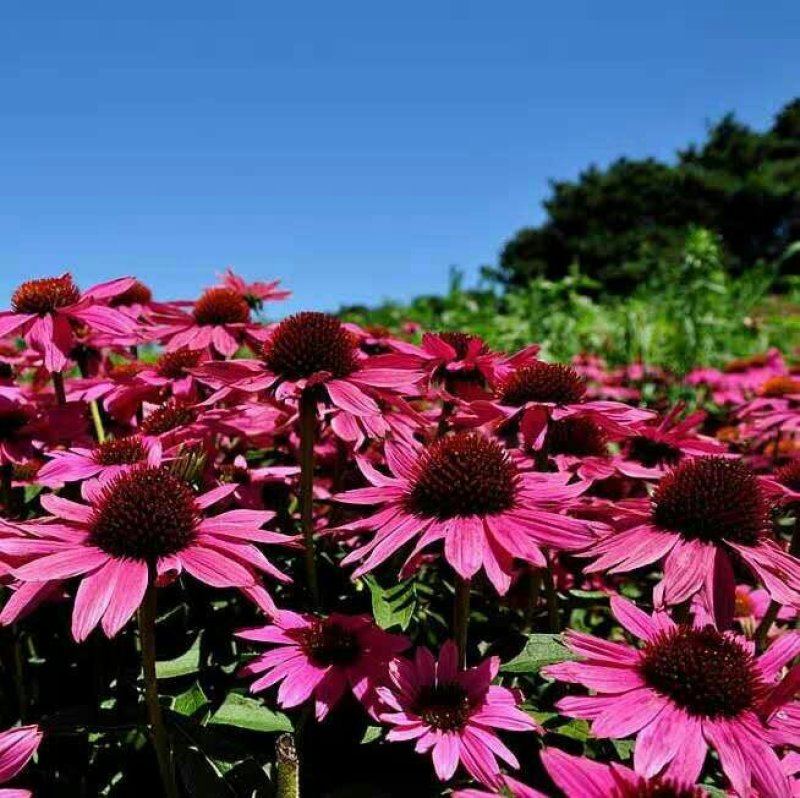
(62, 565)
(445, 756)
(691, 753)
(632, 618)
(685, 569)
(17, 746)
(463, 545)
(215, 569)
(659, 741)
(109, 289)
(578, 777)
(447, 666)
(92, 598)
(628, 713)
(720, 735)
(720, 590)
(352, 399)
(130, 583)
(64, 508)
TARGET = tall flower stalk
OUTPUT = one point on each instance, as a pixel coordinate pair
(308, 428)
(461, 618)
(158, 731)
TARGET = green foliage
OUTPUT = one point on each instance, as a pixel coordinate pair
(392, 606)
(688, 311)
(539, 650)
(619, 222)
(249, 713)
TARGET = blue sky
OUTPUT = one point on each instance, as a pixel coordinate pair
(354, 149)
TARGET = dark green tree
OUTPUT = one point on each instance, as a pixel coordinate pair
(616, 223)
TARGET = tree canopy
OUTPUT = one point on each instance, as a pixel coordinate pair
(617, 222)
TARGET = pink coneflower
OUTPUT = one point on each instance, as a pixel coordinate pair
(750, 607)
(17, 746)
(453, 713)
(535, 393)
(655, 447)
(784, 483)
(24, 426)
(172, 374)
(312, 351)
(740, 378)
(464, 489)
(460, 363)
(686, 689)
(323, 658)
(251, 481)
(219, 321)
(255, 294)
(396, 419)
(44, 310)
(105, 461)
(580, 777)
(175, 422)
(702, 513)
(144, 519)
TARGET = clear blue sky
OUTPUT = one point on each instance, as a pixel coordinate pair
(354, 149)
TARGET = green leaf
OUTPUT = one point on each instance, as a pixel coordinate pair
(589, 594)
(190, 702)
(248, 713)
(392, 606)
(540, 650)
(31, 492)
(624, 749)
(371, 734)
(184, 665)
(577, 729)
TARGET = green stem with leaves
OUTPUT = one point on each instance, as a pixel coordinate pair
(158, 731)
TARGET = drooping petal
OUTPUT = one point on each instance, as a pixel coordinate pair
(130, 580)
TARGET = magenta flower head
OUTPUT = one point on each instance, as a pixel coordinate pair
(144, 520)
(687, 688)
(323, 658)
(43, 312)
(702, 513)
(453, 713)
(579, 777)
(17, 746)
(255, 294)
(535, 393)
(656, 446)
(312, 350)
(465, 490)
(104, 461)
(219, 321)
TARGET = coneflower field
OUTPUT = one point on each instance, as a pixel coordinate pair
(247, 557)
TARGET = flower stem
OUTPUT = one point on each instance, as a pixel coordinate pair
(308, 429)
(770, 616)
(552, 597)
(97, 419)
(287, 766)
(158, 731)
(461, 618)
(534, 590)
(58, 387)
